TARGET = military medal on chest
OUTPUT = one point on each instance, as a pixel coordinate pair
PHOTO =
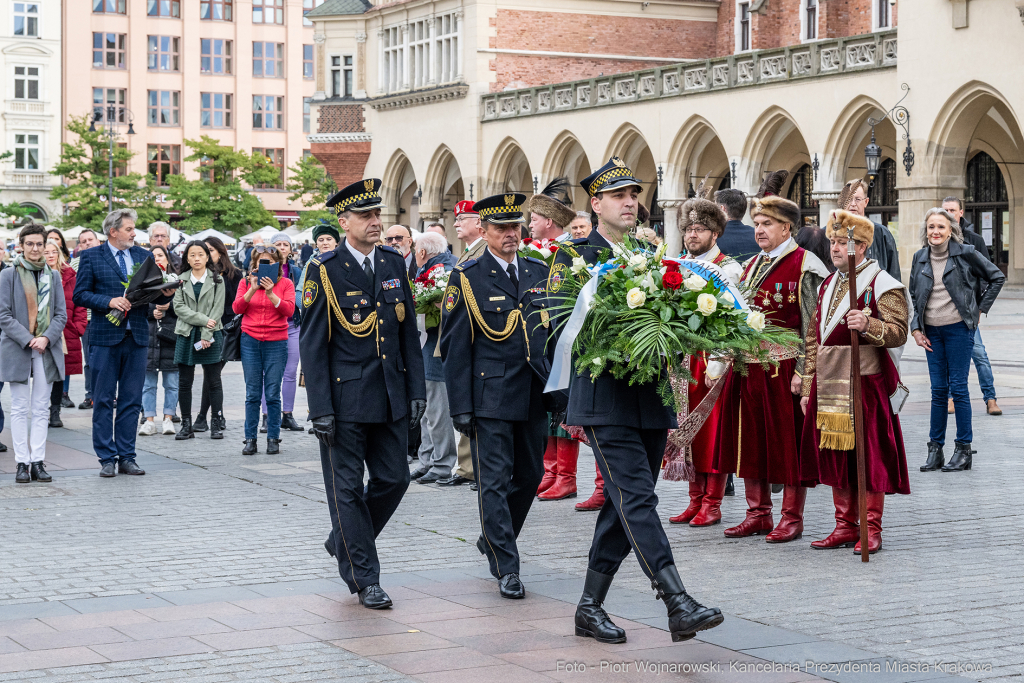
(867, 302)
(792, 293)
(356, 315)
(767, 301)
(778, 292)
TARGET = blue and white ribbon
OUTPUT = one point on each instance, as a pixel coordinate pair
(715, 275)
(561, 366)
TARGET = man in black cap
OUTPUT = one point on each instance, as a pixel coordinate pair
(495, 324)
(627, 426)
(359, 329)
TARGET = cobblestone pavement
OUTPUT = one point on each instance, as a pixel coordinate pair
(206, 525)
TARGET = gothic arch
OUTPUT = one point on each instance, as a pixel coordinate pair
(696, 151)
(630, 145)
(774, 143)
(850, 135)
(398, 187)
(566, 157)
(443, 177)
(510, 169)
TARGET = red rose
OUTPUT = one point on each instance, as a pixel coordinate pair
(672, 280)
(553, 249)
(672, 267)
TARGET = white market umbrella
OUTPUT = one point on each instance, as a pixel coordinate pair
(210, 232)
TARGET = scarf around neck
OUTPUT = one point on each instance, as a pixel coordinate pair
(37, 297)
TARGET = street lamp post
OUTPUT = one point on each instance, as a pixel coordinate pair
(873, 158)
(110, 130)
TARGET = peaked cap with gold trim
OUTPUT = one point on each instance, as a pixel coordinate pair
(611, 176)
(359, 197)
(501, 208)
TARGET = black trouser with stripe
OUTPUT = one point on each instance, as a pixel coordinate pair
(630, 462)
(358, 517)
(508, 462)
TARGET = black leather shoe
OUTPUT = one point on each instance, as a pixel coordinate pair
(454, 480)
(3, 448)
(374, 597)
(591, 619)
(935, 458)
(511, 587)
(249, 447)
(418, 472)
(328, 548)
(108, 470)
(39, 473)
(730, 490)
(23, 476)
(216, 428)
(55, 417)
(686, 616)
(175, 419)
(273, 446)
(85, 405)
(961, 460)
(288, 422)
(492, 566)
(65, 401)
(200, 425)
(129, 467)
(474, 487)
(429, 478)
(263, 426)
(186, 431)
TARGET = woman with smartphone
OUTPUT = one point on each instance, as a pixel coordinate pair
(266, 301)
(199, 305)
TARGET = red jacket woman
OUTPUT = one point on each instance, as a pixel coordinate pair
(75, 327)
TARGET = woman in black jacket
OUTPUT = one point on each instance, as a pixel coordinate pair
(943, 279)
(231, 349)
(160, 360)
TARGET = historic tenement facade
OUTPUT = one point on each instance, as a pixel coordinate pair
(461, 100)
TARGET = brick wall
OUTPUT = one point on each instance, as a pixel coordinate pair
(341, 118)
(345, 161)
(725, 36)
(589, 34)
(779, 26)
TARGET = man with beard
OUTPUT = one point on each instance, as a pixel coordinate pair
(627, 426)
(883, 245)
(492, 326)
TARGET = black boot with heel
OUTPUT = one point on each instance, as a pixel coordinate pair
(961, 460)
(686, 616)
(186, 430)
(591, 619)
(935, 458)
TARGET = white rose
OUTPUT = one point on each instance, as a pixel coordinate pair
(638, 262)
(578, 264)
(695, 283)
(522, 246)
(707, 304)
(635, 298)
(545, 252)
(755, 320)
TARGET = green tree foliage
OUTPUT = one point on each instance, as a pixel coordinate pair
(310, 182)
(14, 210)
(84, 168)
(217, 199)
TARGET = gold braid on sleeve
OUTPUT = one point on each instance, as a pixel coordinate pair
(363, 329)
(510, 323)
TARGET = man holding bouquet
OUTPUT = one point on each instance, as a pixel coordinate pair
(494, 331)
(627, 425)
(117, 353)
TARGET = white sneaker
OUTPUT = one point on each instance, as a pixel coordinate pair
(148, 428)
(168, 426)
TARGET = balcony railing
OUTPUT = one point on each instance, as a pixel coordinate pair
(26, 107)
(27, 179)
(811, 60)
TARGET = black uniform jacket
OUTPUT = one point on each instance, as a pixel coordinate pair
(490, 378)
(607, 401)
(357, 370)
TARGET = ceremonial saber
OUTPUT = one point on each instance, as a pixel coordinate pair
(855, 398)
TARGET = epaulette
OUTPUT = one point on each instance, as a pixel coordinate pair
(466, 264)
(392, 250)
(531, 259)
(579, 241)
(321, 258)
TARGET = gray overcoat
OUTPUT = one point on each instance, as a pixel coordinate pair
(15, 355)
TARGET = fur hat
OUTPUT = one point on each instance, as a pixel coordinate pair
(779, 209)
(551, 202)
(840, 222)
(702, 211)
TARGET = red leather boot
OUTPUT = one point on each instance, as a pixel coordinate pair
(791, 526)
(847, 529)
(876, 500)
(697, 488)
(596, 500)
(550, 465)
(565, 480)
(759, 510)
(711, 507)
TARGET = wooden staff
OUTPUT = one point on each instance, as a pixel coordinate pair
(855, 397)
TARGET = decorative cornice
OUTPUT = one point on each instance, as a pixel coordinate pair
(417, 97)
(671, 203)
(319, 38)
(321, 138)
(361, 37)
(825, 195)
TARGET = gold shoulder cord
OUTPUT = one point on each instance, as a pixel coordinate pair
(363, 329)
(494, 335)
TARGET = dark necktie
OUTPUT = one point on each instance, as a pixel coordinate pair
(367, 269)
(512, 277)
(122, 265)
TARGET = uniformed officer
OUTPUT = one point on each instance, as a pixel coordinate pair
(494, 328)
(364, 382)
(627, 426)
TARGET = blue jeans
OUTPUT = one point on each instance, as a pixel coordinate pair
(984, 368)
(949, 364)
(170, 392)
(263, 366)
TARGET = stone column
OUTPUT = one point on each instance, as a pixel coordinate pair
(428, 216)
(431, 52)
(673, 238)
(360, 92)
(828, 201)
(406, 57)
(457, 46)
(321, 90)
(381, 89)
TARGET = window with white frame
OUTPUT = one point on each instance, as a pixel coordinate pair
(446, 61)
(26, 82)
(810, 19)
(394, 58)
(743, 26)
(419, 53)
(341, 76)
(306, 6)
(423, 53)
(26, 19)
(883, 16)
(26, 151)
(306, 101)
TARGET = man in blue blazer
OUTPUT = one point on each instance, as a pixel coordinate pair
(117, 354)
(738, 239)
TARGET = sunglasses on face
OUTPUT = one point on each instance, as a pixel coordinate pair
(397, 238)
(264, 250)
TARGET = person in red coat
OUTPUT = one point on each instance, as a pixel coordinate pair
(73, 330)
(882, 318)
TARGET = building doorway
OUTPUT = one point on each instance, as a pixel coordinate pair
(800, 193)
(883, 197)
(987, 207)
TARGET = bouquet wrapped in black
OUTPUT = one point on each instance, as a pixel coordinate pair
(143, 287)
